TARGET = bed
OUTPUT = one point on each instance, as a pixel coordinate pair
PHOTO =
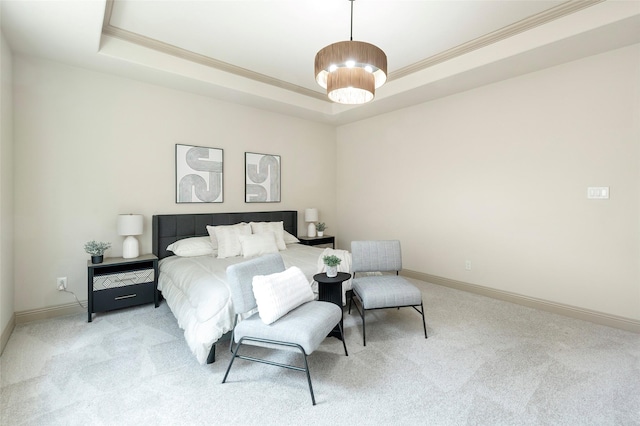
(194, 284)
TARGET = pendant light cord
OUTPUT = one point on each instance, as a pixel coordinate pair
(351, 34)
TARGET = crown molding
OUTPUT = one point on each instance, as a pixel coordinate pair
(159, 46)
(516, 28)
(567, 8)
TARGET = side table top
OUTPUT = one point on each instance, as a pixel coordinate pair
(323, 278)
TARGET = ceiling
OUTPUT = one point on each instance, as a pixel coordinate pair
(261, 53)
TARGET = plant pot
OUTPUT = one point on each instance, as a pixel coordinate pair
(332, 271)
(320, 233)
(97, 259)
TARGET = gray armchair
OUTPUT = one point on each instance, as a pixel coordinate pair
(302, 329)
(381, 291)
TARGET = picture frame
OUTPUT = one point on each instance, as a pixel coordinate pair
(262, 178)
(199, 174)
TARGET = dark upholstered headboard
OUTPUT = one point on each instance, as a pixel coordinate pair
(168, 228)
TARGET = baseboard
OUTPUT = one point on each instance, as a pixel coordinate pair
(623, 323)
(6, 333)
(50, 312)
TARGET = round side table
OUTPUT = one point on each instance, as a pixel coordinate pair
(330, 290)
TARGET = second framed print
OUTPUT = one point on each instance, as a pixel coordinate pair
(262, 178)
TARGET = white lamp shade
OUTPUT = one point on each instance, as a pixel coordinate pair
(130, 224)
(310, 215)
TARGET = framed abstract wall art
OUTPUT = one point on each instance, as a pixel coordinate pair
(262, 178)
(198, 174)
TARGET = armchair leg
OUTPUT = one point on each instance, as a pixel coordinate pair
(306, 369)
(277, 364)
(421, 312)
(343, 339)
(424, 325)
(233, 357)
(361, 312)
(364, 333)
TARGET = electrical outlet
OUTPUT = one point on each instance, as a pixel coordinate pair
(467, 265)
(61, 283)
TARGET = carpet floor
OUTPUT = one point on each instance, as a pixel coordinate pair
(486, 362)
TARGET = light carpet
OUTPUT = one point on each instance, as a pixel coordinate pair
(486, 362)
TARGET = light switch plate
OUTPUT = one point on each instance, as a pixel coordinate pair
(598, 193)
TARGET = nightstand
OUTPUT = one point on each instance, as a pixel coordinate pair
(316, 241)
(120, 283)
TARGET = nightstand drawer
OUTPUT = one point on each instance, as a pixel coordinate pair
(103, 282)
(123, 297)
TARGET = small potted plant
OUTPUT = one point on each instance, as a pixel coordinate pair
(320, 227)
(96, 250)
(331, 262)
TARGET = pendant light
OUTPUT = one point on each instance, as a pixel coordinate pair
(351, 71)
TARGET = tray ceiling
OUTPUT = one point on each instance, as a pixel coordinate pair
(260, 53)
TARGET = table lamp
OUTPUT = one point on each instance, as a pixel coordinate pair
(311, 216)
(128, 226)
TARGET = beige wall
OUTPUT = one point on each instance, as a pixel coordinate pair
(496, 175)
(6, 194)
(499, 176)
(90, 146)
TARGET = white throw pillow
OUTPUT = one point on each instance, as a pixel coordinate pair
(228, 238)
(258, 244)
(195, 246)
(290, 239)
(212, 234)
(279, 293)
(276, 227)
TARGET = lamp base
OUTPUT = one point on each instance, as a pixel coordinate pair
(130, 247)
(311, 230)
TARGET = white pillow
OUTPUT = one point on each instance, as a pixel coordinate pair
(212, 234)
(195, 246)
(279, 293)
(290, 239)
(228, 238)
(258, 244)
(276, 227)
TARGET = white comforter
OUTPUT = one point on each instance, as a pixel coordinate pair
(197, 293)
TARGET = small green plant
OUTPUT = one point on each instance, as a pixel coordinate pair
(331, 260)
(320, 226)
(95, 248)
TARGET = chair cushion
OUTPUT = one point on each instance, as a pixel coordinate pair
(307, 325)
(278, 293)
(376, 256)
(386, 291)
(240, 279)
